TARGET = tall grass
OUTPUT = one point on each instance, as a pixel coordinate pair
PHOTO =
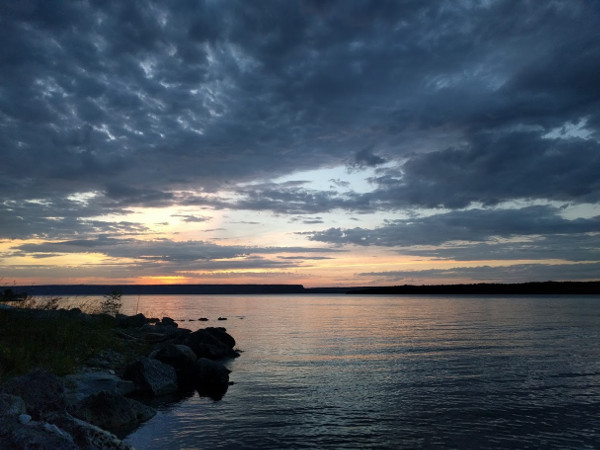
(58, 340)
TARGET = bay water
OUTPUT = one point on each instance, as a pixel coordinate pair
(346, 371)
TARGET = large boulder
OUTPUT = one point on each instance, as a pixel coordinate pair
(41, 391)
(210, 378)
(211, 343)
(83, 384)
(112, 411)
(178, 356)
(152, 377)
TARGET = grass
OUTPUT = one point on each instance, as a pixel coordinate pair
(57, 340)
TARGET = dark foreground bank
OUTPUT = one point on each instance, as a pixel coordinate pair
(108, 395)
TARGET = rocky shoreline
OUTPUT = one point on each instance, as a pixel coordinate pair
(107, 397)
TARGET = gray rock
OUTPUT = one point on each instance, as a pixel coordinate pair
(33, 435)
(24, 419)
(88, 436)
(83, 384)
(11, 405)
(152, 377)
(112, 411)
(41, 391)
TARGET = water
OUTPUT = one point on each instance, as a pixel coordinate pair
(338, 371)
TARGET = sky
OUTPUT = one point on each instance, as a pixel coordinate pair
(325, 143)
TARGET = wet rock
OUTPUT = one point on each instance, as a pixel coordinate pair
(41, 391)
(210, 378)
(152, 377)
(112, 411)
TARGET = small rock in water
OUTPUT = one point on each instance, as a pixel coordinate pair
(203, 319)
(222, 318)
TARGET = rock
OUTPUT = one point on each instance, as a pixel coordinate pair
(210, 378)
(212, 343)
(24, 419)
(152, 377)
(11, 405)
(221, 334)
(139, 320)
(169, 331)
(222, 318)
(168, 321)
(179, 356)
(83, 384)
(41, 391)
(112, 411)
(33, 435)
(203, 319)
(157, 337)
(88, 436)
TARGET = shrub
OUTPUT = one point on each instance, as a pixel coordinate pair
(112, 303)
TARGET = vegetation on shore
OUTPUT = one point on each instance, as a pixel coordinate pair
(36, 334)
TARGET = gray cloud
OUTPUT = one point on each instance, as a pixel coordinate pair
(157, 249)
(153, 104)
(533, 233)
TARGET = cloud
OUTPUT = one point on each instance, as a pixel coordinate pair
(191, 218)
(475, 225)
(157, 249)
(531, 233)
(107, 107)
(365, 158)
(102, 95)
(514, 273)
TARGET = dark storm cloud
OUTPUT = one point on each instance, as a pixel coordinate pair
(365, 158)
(157, 103)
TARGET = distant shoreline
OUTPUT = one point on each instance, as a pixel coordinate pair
(531, 288)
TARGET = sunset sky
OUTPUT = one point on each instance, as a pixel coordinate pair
(325, 143)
